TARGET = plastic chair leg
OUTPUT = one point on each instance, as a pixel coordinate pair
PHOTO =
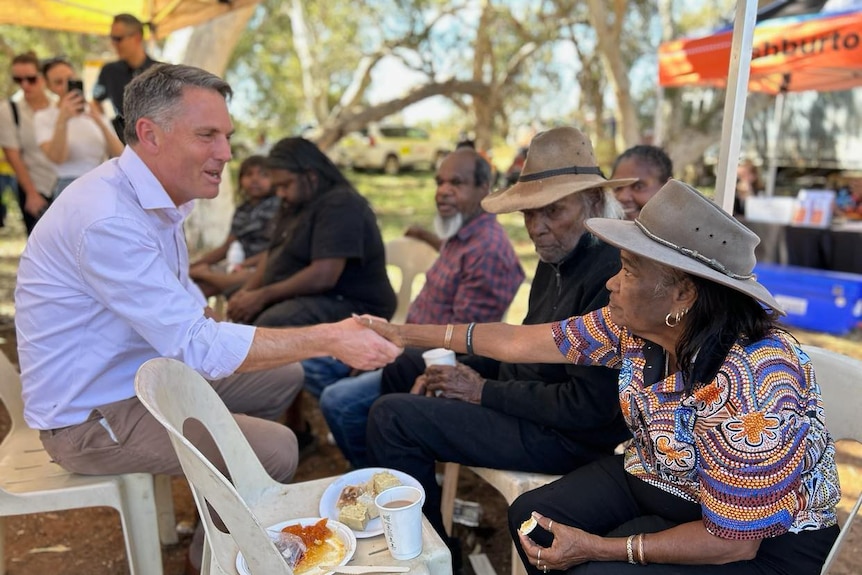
(2, 546)
(447, 499)
(140, 525)
(165, 509)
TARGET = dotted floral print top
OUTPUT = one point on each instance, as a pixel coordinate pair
(750, 446)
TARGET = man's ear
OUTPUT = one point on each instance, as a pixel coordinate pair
(149, 135)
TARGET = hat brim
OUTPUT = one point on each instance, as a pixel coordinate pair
(540, 193)
(627, 236)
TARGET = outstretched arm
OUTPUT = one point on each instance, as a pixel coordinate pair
(346, 340)
(500, 341)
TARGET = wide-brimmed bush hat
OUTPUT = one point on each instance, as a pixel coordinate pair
(559, 163)
(681, 228)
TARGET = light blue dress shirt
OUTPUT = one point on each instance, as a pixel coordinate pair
(103, 286)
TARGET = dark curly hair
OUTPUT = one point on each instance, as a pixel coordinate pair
(652, 156)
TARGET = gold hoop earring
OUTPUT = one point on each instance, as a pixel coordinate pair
(676, 318)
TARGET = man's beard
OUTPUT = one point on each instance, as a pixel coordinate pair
(445, 228)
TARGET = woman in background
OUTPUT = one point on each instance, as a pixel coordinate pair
(651, 166)
(73, 134)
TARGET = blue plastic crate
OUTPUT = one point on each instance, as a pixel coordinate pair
(817, 300)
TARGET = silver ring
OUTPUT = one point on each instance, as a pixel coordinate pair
(545, 569)
(539, 558)
(550, 524)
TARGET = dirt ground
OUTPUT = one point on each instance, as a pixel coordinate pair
(90, 541)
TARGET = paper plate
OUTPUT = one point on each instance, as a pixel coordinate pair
(358, 477)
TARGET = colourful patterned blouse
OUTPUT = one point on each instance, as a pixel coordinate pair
(750, 446)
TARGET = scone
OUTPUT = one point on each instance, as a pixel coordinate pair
(354, 516)
(383, 481)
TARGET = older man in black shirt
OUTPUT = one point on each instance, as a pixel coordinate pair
(528, 417)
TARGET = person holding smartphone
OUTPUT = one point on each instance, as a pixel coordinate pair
(73, 134)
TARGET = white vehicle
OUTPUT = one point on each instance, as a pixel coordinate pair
(388, 148)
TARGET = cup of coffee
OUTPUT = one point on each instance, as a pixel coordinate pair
(401, 514)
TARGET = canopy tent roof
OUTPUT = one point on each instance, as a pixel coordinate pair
(810, 52)
(95, 16)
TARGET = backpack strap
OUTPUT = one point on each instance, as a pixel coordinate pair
(14, 108)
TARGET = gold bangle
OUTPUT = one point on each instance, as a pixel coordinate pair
(629, 550)
(447, 341)
(641, 558)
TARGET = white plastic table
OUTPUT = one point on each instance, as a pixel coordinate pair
(435, 558)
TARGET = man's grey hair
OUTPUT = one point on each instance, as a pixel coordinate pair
(600, 203)
(156, 94)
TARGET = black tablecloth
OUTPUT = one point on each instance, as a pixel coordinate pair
(827, 249)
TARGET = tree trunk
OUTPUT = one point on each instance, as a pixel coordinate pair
(609, 34)
(209, 46)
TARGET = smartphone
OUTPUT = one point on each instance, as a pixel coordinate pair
(77, 86)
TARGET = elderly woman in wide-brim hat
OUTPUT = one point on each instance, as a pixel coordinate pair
(730, 469)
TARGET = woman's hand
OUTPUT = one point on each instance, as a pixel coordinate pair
(70, 105)
(382, 327)
(571, 546)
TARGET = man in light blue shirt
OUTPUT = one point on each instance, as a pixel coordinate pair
(103, 286)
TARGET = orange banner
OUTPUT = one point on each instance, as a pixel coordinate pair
(813, 52)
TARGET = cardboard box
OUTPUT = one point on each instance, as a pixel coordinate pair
(816, 300)
(814, 208)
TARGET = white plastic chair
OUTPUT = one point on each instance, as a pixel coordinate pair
(510, 484)
(838, 377)
(174, 393)
(412, 257)
(31, 483)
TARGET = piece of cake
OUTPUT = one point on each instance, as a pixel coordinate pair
(349, 495)
(354, 516)
(383, 481)
(367, 499)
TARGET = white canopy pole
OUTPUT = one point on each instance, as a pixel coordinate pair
(734, 104)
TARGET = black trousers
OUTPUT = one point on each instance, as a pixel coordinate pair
(411, 432)
(603, 499)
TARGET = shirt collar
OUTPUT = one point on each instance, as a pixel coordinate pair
(473, 226)
(149, 191)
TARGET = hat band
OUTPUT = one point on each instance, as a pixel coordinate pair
(576, 170)
(694, 254)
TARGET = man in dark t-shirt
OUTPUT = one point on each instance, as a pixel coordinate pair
(326, 259)
(127, 37)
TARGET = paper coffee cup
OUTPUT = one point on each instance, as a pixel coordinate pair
(439, 356)
(401, 514)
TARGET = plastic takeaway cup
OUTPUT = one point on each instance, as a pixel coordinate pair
(439, 356)
(401, 514)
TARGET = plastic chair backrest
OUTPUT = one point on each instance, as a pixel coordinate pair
(838, 377)
(174, 394)
(412, 257)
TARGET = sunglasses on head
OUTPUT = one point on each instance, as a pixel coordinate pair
(22, 79)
